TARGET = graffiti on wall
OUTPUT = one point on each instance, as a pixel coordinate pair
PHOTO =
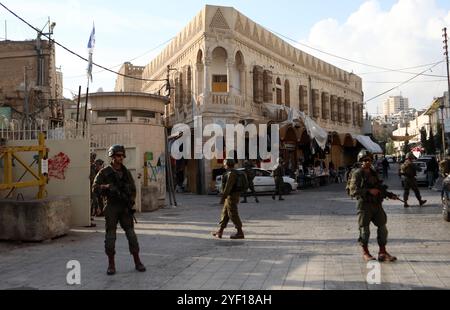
(57, 166)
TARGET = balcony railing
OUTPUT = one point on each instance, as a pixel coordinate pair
(226, 99)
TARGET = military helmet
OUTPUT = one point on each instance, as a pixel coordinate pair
(364, 154)
(113, 150)
(410, 156)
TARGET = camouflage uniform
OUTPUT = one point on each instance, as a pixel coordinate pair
(370, 207)
(278, 174)
(231, 198)
(116, 210)
(444, 167)
(409, 170)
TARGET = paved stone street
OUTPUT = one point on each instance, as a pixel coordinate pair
(305, 242)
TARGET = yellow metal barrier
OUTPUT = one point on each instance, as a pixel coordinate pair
(9, 153)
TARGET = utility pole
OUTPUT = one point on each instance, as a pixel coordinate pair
(445, 104)
(26, 106)
(169, 171)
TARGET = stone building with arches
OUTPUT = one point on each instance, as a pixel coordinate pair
(229, 69)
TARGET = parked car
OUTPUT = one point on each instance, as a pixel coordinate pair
(390, 159)
(264, 182)
(421, 177)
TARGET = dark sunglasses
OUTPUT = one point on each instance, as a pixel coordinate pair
(120, 155)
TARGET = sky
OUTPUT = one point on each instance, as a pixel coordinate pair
(392, 34)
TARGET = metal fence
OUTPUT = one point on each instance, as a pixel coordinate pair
(18, 130)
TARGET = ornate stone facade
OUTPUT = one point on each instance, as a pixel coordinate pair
(230, 68)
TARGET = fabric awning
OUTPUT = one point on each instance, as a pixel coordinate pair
(403, 138)
(369, 144)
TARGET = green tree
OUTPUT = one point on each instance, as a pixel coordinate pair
(431, 143)
(438, 137)
(424, 140)
(390, 148)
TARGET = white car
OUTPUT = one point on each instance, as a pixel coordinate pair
(264, 182)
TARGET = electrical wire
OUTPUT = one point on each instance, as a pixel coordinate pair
(353, 61)
(403, 83)
(74, 53)
(143, 54)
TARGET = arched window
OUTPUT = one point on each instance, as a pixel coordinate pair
(267, 86)
(189, 86)
(325, 106)
(334, 109)
(287, 93)
(302, 95)
(315, 103)
(341, 109)
(258, 84)
(199, 73)
(219, 70)
(279, 92)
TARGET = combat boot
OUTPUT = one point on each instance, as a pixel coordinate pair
(111, 266)
(256, 200)
(406, 205)
(422, 203)
(366, 254)
(245, 200)
(384, 256)
(238, 235)
(218, 234)
(137, 262)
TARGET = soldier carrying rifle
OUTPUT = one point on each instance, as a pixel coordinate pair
(370, 192)
(117, 184)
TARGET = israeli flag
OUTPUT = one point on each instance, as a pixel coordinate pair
(91, 45)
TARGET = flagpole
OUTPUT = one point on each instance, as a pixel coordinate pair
(85, 108)
(91, 45)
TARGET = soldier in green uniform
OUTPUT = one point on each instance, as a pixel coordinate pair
(367, 188)
(409, 171)
(278, 173)
(230, 201)
(250, 172)
(117, 184)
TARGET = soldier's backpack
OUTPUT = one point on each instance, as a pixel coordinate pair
(241, 182)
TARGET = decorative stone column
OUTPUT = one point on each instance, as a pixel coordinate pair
(207, 78)
(231, 79)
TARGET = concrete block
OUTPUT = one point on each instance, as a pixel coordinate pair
(151, 199)
(34, 220)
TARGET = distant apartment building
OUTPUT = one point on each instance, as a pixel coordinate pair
(395, 104)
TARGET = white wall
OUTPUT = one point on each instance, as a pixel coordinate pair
(76, 183)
